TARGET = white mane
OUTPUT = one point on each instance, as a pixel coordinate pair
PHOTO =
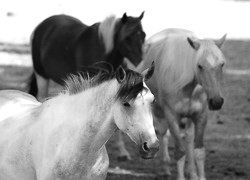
(175, 58)
(107, 32)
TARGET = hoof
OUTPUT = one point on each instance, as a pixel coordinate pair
(191, 176)
(124, 158)
(164, 175)
(167, 170)
(168, 173)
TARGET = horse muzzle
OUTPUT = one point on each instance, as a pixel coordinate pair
(215, 103)
(148, 151)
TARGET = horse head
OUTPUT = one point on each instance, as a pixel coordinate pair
(130, 37)
(133, 113)
(208, 68)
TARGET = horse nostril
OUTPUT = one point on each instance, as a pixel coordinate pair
(216, 103)
(211, 101)
(145, 147)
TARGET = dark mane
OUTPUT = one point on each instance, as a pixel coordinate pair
(101, 72)
(131, 87)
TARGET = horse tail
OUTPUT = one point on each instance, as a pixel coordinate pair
(33, 89)
(32, 82)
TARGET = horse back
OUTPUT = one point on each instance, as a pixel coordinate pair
(13, 102)
(89, 48)
(53, 44)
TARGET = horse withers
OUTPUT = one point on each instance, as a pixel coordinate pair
(186, 84)
(64, 137)
(62, 44)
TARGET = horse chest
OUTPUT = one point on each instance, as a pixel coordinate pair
(100, 166)
(188, 107)
(93, 166)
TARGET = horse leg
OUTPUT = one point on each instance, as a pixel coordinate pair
(43, 87)
(189, 140)
(162, 130)
(166, 157)
(123, 153)
(199, 151)
(179, 152)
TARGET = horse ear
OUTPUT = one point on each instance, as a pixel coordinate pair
(124, 17)
(141, 16)
(120, 74)
(147, 74)
(221, 41)
(194, 42)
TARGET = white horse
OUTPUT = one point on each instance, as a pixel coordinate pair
(187, 80)
(64, 137)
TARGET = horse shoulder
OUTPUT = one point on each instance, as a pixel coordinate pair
(89, 47)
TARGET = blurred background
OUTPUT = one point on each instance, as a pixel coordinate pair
(228, 132)
(208, 18)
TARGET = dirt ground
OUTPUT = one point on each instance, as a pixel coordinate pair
(227, 138)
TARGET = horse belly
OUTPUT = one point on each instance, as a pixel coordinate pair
(189, 107)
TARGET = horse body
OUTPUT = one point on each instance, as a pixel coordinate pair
(64, 137)
(64, 34)
(185, 83)
(62, 44)
(50, 138)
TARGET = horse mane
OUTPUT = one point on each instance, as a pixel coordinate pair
(107, 31)
(177, 59)
(102, 72)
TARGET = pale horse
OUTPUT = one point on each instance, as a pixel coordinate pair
(64, 137)
(186, 83)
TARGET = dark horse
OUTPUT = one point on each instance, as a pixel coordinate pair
(62, 44)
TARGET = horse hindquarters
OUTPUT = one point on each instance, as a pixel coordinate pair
(38, 87)
(37, 64)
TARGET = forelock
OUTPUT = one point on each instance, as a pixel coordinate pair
(131, 86)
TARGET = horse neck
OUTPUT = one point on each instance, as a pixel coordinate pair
(92, 111)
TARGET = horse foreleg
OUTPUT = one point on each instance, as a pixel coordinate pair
(179, 152)
(166, 157)
(189, 134)
(43, 87)
(123, 153)
(161, 128)
(199, 151)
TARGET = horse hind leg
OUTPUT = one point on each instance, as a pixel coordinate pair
(32, 85)
(43, 87)
(165, 152)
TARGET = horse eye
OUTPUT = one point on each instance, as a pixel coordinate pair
(222, 64)
(126, 104)
(200, 67)
(153, 101)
